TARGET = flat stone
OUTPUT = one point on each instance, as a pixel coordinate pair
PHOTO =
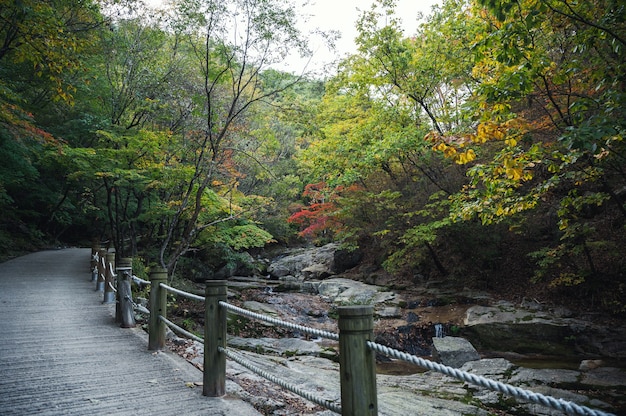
(494, 368)
(605, 376)
(586, 365)
(259, 307)
(504, 313)
(531, 376)
(316, 262)
(316, 271)
(281, 346)
(539, 410)
(454, 351)
(389, 312)
(397, 403)
(347, 291)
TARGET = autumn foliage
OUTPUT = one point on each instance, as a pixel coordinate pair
(487, 145)
(316, 219)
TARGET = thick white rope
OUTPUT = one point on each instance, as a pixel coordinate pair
(559, 404)
(183, 293)
(139, 281)
(180, 330)
(310, 397)
(311, 331)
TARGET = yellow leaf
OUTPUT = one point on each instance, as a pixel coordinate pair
(440, 147)
(482, 134)
(498, 134)
(514, 173)
(510, 142)
(449, 151)
(500, 107)
(466, 157)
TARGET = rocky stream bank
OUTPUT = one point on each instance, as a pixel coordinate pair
(543, 348)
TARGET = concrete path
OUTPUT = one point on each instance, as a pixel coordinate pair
(62, 354)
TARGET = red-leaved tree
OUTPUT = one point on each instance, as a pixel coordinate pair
(318, 220)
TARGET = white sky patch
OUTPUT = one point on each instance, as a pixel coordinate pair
(341, 16)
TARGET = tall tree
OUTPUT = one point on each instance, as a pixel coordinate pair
(550, 112)
(375, 117)
(232, 42)
(42, 45)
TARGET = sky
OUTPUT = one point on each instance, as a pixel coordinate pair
(342, 15)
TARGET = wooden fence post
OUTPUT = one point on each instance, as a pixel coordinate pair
(124, 313)
(101, 267)
(214, 380)
(95, 249)
(109, 292)
(357, 364)
(158, 306)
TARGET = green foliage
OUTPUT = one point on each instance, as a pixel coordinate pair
(494, 131)
(531, 113)
(241, 237)
(50, 38)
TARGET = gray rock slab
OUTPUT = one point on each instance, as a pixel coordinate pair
(317, 261)
(347, 291)
(537, 409)
(454, 351)
(316, 271)
(493, 368)
(605, 376)
(389, 312)
(505, 313)
(397, 403)
(397, 396)
(280, 346)
(258, 307)
(531, 376)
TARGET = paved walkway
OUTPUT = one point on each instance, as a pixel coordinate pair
(62, 354)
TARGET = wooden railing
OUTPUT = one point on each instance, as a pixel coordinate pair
(356, 347)
(114, 282)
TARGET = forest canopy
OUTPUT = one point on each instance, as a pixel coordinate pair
(486, 148)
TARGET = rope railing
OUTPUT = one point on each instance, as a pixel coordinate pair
(182, 293)
(238, 359)
(548, 401)
(356, 351)
(328, 404)
(140, 281)
(140, 308)
(558, 404)
(181, 330)
(289, 325)
(113, 281)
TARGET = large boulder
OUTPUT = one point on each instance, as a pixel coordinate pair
(532, 328)
(454, 351)
(295, 263)
(313, 263)
(352, 292)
